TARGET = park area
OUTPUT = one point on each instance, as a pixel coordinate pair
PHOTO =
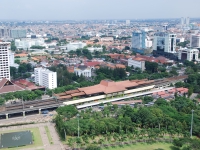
(144, 146)
(37, 140)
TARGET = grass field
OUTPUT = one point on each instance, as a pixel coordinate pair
(48, 135)
(143, 146)
(37, 140)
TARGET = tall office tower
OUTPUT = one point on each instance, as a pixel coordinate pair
(46, 78)
(165, 27)
(187, 21)
(4, 32)
(164, 42)
(195, 41)
(182, 21)
(138, 40)
(17, 33)
(4, 60)
(128, 22)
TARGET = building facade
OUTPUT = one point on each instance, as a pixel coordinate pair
(75, 46)
(83, 70)
(164, 42)
(138, 40)
(4, 60)
(188, 54)
(17, 33)
(4, 32)
(136, 63)
(28, 42)
(195, 41)
(46, 78)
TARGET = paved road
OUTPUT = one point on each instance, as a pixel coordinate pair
(37, 118)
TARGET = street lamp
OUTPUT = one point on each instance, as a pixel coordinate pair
(191, 124)
(78, 124)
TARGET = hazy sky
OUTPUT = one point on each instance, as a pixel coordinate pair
(97, 9)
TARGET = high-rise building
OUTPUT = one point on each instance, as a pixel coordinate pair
(46, 78)
(138, 40)
(187, 21)
(128, 22)
(4, 60)
(17, 33)
(182, 21)
(195, 41)
(164, 42)
(4, 32)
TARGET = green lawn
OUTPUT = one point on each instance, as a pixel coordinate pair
(143, 146)
(37, 140)
(48, 135)
(21, 58)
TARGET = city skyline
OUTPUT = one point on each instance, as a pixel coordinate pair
(94, 10)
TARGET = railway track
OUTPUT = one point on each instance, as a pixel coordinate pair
(30, 104)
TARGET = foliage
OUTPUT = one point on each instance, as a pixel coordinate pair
(25, 95)
(82, 52)
(93, 147)
(22, 71)
(187, 143)
(183, 44)
(107, 73)
(147, 99)
(151, 67)
(37, 47)
(164, 118)
(67, 111)
(13, 47)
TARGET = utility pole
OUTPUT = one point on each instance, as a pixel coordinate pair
(191, 124)
(78, 124)
(23, 102)
(65, 135)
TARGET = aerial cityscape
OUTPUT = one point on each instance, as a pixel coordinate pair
(99, 75)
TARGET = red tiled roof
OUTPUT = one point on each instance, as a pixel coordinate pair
(6, 86)
(92, 63)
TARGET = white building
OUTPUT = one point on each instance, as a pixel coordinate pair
(27, 43)
(4, 60)
(92, 49)
(165, 42)
(12, 60)
(195, 41)
(83, 70)
(136, 63)
(76, 45)
(188, 54)
(46, 78)
(128, 22)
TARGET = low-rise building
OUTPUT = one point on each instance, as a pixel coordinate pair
(74, 46)
(93, 49)
(83, 70)
(136, 63)
(188, 54)
(46, 78)
(26, 43)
